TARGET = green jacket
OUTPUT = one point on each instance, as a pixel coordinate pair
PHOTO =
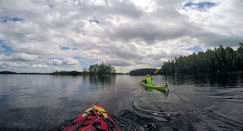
(148, 79)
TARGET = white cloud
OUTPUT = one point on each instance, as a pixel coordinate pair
(222, 22)
(70, 61)
(98, 2)
(146, 5)
(17, 57)
(129, 34)
(7, 64)
(39, 66)
(55, 62)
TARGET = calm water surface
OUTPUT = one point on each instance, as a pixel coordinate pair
(45, 102)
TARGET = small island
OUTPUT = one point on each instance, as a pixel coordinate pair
(7, 72)
(32, 73)
(97, 69)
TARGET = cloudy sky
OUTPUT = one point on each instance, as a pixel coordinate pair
(50, 35)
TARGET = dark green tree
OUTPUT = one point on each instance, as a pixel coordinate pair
(101, 69)
(211, 61)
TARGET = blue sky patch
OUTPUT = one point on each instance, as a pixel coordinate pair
(84, 62)
(74, 48)
(67, 48)
(5, 19)
(3, 45)
(64, 48)
(94, 21)
(195, 48)
(51, 6)
(200, 5)
(59, 58)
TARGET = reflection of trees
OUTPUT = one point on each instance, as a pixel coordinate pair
(223, 79)
(241, 76)
(103, 80)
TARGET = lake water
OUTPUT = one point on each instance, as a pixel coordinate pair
(46, 102)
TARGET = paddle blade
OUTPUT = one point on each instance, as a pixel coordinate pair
(156, 71)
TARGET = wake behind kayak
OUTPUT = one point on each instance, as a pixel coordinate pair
(93, 119)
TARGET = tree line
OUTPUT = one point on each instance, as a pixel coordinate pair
(96, 69)
(211, 61)
(68, 73)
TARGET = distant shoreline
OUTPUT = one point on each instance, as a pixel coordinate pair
(67, 73)
(15, 73)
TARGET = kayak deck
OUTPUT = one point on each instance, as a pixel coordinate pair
(94, 118)
(158, 87)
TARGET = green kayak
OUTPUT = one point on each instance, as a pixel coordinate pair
(158, 87)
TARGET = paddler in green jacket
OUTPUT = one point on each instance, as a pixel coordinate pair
(148, 79)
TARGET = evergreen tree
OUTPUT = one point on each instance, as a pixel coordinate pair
(101, 69)
(218, 60)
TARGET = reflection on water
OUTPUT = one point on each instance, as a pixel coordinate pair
(27, 97)
(202, 102)
(102, 80)
(224, 79)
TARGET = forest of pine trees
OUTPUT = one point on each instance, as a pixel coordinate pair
(211, 61)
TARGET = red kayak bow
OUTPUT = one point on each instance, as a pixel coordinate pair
(93, 119)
